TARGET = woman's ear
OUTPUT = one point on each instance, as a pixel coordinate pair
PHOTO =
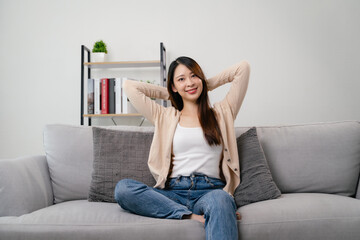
(173, 88)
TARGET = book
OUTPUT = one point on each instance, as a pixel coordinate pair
(110, 98)
(97, 102)
(111, 95)
(104, 96)
(90, 96)
(118, 95)
(124, 99)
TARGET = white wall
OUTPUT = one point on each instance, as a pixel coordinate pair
(304, 56)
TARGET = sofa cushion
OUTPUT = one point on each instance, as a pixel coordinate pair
(83, 220)
(118, 155)
(320, 157)
(292, 216)
(69, 154)
(301, 216)
(256, 181)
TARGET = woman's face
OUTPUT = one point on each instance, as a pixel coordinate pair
(187, 84)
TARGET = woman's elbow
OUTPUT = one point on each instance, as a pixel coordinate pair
(244, 69)
(245, 65)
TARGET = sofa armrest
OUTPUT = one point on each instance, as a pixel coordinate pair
(24, 185)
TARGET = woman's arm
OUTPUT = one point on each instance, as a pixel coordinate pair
(238, 75)
(140, 95)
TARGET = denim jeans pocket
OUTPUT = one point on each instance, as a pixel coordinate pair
(172, 182)
(215, 182)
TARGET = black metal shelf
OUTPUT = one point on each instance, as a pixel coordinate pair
(123, 64)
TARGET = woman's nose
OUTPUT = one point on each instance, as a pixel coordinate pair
(189, 82)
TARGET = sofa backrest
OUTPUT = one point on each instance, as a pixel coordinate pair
(322, 157)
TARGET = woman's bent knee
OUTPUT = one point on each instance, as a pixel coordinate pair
(221, 199)
(126, 188)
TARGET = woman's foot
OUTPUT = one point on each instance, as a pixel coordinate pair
(199, 218)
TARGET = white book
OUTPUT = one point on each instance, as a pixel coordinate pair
(124, 98)
(97, 96)
(118, 96)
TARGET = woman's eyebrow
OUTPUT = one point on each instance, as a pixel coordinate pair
(180, 75)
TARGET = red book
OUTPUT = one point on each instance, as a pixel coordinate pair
(104, 96)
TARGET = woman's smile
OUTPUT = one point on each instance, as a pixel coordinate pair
(192, 91)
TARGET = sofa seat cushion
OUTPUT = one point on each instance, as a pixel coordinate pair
(81, 219)
(302, 216)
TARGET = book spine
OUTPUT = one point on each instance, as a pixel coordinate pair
(124, 98)
(118, 97)
(97, 96)
(90, 96)
(104, 96)
(111, 95)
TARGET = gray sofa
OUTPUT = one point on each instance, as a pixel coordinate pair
(316, 167)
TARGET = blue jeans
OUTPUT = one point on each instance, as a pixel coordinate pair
(197, 194)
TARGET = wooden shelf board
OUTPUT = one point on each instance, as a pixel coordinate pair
(123, 64)
(114, 115)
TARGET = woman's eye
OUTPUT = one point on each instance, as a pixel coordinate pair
(193, 75)
(181, 79)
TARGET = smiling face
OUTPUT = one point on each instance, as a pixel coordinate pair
(187, 84)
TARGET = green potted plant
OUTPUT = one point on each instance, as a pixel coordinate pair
(98, 52)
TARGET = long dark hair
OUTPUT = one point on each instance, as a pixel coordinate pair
(206, 115)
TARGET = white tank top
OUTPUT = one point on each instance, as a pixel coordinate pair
(192, 153)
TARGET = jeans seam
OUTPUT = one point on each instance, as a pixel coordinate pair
(188, 199)
(206, 215)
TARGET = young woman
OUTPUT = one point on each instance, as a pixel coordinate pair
(193, 156)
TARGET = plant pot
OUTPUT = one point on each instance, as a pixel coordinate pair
(98, 57)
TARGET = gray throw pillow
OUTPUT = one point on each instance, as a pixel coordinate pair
(118, 155)
(256, 181)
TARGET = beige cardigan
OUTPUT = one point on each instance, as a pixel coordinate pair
(166, 119)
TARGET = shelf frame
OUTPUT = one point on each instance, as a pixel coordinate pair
(84, 50)
(163, 81)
